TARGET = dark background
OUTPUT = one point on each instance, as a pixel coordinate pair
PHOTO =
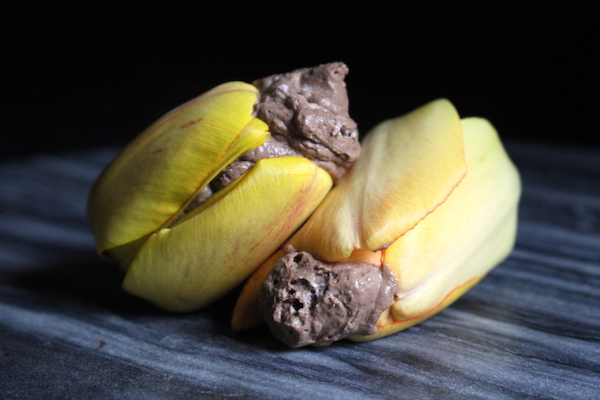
(81, 74)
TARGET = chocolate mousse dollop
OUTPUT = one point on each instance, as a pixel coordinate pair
(307, 114)
(305, 301)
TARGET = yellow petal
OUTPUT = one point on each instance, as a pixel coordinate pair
(212, 250)
(387, 325)
(152, 179)
(408, 167)
(380, 198)
(246, 313)
(456, 245)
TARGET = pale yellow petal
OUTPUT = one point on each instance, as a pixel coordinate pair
(246, 313)
(153, 178)
(407, 168)
(457, 244)
(215, 248)
(387, 325)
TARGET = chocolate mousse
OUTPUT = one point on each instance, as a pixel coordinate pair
(307, 114)
(309, 302)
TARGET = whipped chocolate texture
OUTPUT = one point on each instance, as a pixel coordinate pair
(307, 114)
(308, 302)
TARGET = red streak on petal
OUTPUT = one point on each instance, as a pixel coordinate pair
(160, 150)
(190, 123)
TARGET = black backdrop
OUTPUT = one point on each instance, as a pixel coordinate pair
(83, 73)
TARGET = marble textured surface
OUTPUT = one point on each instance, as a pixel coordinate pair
(531, 329)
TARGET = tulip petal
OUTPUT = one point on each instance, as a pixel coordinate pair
(212, 250)
(246, 313)
(387, 325)
(408, 167)
(153, 179)
(382, 197)
(455, 246)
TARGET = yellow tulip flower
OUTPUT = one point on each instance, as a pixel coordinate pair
(432, 197)
(180, 260)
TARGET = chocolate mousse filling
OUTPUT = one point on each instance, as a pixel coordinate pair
(305, 301)
(307, 114)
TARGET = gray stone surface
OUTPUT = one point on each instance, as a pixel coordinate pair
(531, 329)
